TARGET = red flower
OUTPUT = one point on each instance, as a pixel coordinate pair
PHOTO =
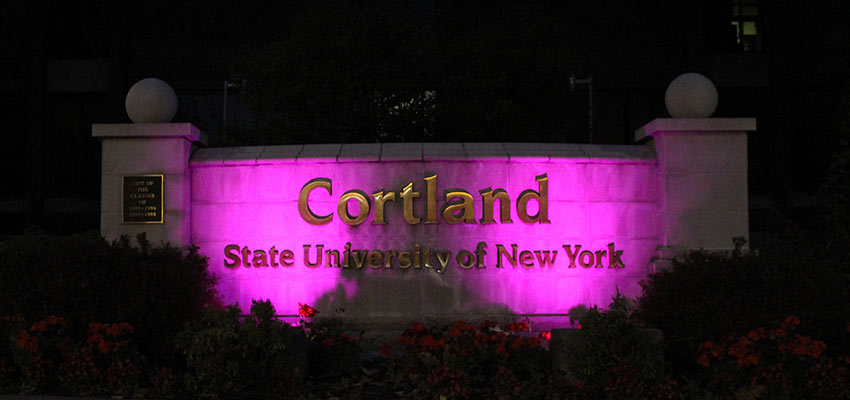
(64, 346)
(407, 340)
(27, 342)
(486, 324)
(790, 322)
(801, 346)
(95, 339)
(417, 327)
(125, 327)
(718, 350)
(522, 325)
(750, 359)
(816, 348)
(429, 343)
(385, 349)
(753, 335)
(39, 326)
(546, 335)
(480, 338)
(305, 311)
(95, 327)
(454, 333)
(740, 349)
(703, 359)
(113, 330)
(463, 326)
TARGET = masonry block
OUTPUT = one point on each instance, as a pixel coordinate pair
(141, 149)
(702, 181)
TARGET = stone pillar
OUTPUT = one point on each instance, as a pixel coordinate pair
(147, 149)
(702, 178)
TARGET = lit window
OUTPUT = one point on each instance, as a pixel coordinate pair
(746, 24)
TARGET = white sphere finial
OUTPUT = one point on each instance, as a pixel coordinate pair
(151, 101)
(691, 95)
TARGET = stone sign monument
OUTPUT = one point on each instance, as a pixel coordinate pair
(443, 230)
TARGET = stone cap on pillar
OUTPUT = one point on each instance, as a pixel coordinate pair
(167, 130)
(694, 125)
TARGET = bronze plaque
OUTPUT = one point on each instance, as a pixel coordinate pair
(142, 199)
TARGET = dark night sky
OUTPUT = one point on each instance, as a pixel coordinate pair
(500, 71)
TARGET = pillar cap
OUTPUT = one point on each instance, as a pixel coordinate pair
(695, 125)
(183, 130)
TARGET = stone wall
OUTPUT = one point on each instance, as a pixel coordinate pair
(631, 209)
(597, 195)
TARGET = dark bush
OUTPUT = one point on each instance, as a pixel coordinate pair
(85, 278)
(772, 363)
(465, 361)
(52, 355)
(230, 357)
(334, 351)
(612, 357)
(710, 296)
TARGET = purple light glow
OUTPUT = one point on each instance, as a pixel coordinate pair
(592, 202)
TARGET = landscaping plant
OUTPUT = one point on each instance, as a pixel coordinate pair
(229, 356)
(85, 278)
(468, 361)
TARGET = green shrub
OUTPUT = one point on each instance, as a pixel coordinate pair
(775, 363)
(85, 278)
(334, 351)
(709, 297)
(47, 356)
(614, 357)
(230, 357)
(9, 373)
(468, 361)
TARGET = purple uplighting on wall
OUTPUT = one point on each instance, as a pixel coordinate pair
(603, 205)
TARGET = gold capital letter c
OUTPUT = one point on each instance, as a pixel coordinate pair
(304, 208)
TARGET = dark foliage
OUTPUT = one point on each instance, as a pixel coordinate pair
(231, 357)
(85, 278)
(465, 361)
(613, 357)
(334, 349)
(710, 296)
(385, 71)
(801, 269)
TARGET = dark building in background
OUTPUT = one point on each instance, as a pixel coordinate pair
(67, 65)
